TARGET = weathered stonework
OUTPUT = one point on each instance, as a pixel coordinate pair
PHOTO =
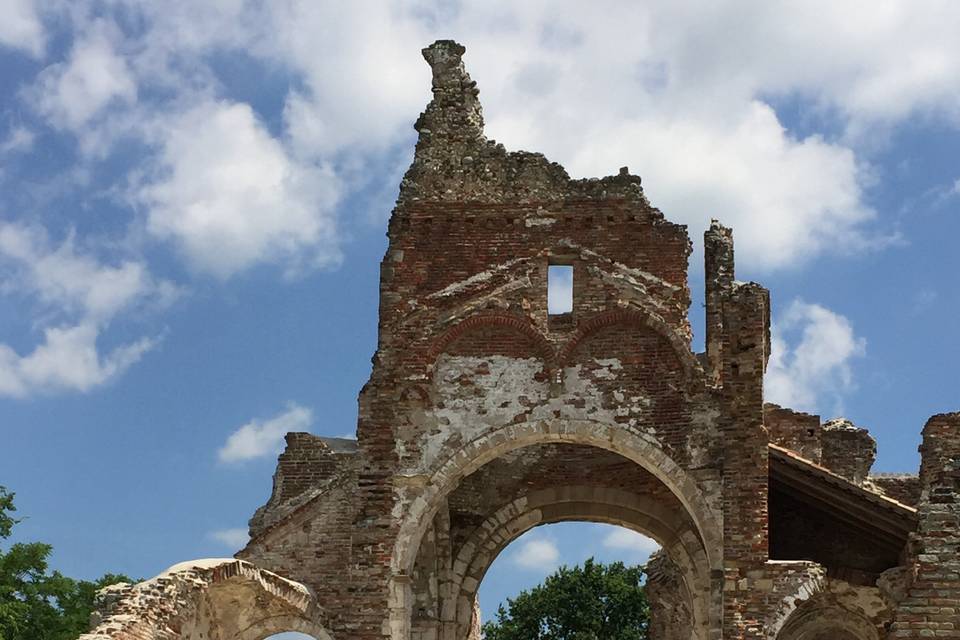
(485, 415)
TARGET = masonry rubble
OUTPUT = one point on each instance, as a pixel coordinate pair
(486, 415)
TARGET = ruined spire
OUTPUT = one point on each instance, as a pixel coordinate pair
(454, 160)
(455, 109)
(719, 276)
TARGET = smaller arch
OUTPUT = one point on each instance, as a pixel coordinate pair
(636, 316)
(585, 504)
(494, 319)
(263, 629)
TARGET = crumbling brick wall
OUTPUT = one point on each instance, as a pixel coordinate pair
(931, 606)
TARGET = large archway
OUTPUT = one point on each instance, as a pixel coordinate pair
(522, 476)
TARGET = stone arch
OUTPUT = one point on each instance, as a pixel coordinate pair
(818, 620)
(430, 490)
(235, 598)
(636, 316)
(521, 325)
(637, 512)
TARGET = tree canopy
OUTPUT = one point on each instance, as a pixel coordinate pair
(36, 604)
(594, 602)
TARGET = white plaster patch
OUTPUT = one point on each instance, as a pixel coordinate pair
(477, 393)
(608, 368)
(475, 279)
(539, 222)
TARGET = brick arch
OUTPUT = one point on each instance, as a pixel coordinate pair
(635, 316)
(544, 349)
(636, 512)
(642, 449)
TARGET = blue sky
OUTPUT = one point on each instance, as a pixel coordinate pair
(193, 200)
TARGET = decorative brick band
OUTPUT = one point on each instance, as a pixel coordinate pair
(638, 317)
(544, 349)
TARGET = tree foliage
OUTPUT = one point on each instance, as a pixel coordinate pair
(36, 604)
(594, 602)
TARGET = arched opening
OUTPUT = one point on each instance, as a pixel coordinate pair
(541, 479)
(525, 563)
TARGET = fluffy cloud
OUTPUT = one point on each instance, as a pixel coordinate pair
(72, 281)
(684, 107)
(685, 94)
(68, 359)
(20, 139)
(812, 348)
(230, 197)
(537, 553)
(21, 27)
(231, 538)
(689, 95)
(74, 92)
(256, 439)
(621, 539)
(79, 296)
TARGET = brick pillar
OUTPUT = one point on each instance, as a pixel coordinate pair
(718, 283)
(932, 605)
(745, 462)
(848, 450)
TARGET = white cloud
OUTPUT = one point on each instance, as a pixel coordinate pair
(811, 351)
(76, 91)
(621, 539)
(230, 197)
(20, 27)
(537, 553)
(256, 439)
(232, 538)
(79, 297)
(67, 360)
(19, 139)
(703, 137)
(683, 93)
(71, 281)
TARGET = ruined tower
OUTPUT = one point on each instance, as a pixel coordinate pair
(488, 413)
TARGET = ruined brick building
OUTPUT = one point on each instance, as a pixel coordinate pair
(486, 415)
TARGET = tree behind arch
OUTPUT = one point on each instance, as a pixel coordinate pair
(594, 602)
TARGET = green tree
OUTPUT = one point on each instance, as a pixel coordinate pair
(594, 602)
(36, 604)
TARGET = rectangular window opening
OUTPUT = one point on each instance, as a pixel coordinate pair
(559, 289)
